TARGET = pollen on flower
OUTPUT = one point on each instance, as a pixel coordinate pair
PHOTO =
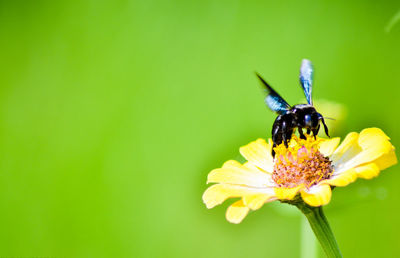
(300, 163)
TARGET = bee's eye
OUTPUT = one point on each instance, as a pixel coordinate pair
(307, 120)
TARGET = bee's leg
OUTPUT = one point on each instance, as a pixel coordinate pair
(308, 131)
(288, 136)
(315, 131)
(285, 135)
(285, 140)
(320, 117)
(273, 151)
(325, 127)
(276, 136)
(302, 136)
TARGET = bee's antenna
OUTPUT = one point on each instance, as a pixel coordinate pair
(330, 118)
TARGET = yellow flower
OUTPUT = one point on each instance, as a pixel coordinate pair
(307, 169)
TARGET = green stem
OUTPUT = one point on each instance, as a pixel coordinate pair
(322, 231)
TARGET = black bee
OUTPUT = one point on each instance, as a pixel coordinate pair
(299, 116)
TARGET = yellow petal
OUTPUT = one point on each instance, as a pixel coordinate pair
(317, 195)
(342, 179)
(217, 194)
(327, 147)
(287, 193)
(371, 137)
(367, 171)
(374, 143)
(386, 160)
(256, 201)
(370, 145)
(236, 212)
(259, 153)
(232, 172)
(347, 149)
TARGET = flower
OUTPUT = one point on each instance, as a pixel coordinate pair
(307, 169)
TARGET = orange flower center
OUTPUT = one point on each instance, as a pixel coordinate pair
(300, 163)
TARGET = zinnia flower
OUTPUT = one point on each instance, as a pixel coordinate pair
(307, 170)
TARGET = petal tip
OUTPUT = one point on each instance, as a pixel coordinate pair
(236, 212)
(317, 195)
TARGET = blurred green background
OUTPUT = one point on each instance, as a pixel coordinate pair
(112, 113)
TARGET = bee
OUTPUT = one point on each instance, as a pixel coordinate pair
(301, 116)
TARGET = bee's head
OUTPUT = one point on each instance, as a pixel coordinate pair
(311, 119)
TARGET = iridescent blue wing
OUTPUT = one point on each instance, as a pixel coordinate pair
(306, 78)
(274, 101)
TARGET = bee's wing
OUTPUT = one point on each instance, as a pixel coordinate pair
(306, 79)
(274, 101)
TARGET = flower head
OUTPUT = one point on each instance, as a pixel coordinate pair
(307, 169)
(300, 164)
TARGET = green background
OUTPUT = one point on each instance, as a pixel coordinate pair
(112, 114)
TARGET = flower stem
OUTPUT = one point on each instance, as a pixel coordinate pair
(322, 231)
